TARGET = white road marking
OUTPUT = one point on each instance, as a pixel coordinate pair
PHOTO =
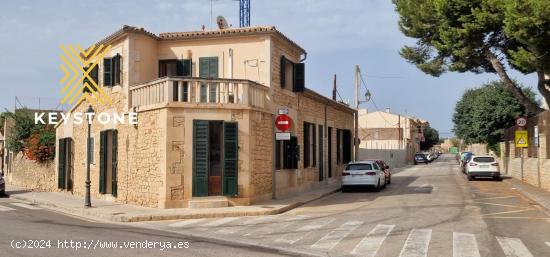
(185, 223)
(335, 236)
(465, 245)
(371, 243)
(26, 206)
(274, 226)
(548, 244)
(218, 222)
(303, 231)
(513, 247)
(4, 208)
(417, 243)
(246, 224)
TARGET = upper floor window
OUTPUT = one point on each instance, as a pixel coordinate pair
(174, 67)
(292, 75)
(112, 70)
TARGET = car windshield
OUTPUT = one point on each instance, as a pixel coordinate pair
(359, 166)
(484, 159)
(419, 156)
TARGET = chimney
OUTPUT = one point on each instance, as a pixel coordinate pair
(387, 109)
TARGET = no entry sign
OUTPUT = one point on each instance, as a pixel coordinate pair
(283, 122)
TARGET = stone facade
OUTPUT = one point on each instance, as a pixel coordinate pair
(155, 157)
(31, 174)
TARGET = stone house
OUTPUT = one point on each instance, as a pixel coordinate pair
(206, 102)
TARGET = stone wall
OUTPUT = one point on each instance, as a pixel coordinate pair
(32, 175)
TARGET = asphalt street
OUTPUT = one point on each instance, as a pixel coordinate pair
(28, 230)
(428, 210)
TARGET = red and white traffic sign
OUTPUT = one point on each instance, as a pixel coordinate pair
(283, 122)
(521, 121)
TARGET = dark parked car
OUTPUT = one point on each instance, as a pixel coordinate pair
(2, 184)
(420, 158)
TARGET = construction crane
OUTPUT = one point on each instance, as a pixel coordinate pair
(244, 13)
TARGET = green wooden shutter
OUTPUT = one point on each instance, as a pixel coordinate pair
(107, 73)
(204, 67)
(230, 158)
(179, 67)
(187, 67)
(116, 69)
(69, 164)
(213, 67)
(61, 165)
(299, 77)
(200, 158)
(102, 160)
(114, 162)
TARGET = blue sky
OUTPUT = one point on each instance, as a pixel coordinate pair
(336, 34)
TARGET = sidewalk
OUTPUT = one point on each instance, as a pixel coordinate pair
(118, 212)
(542, 197)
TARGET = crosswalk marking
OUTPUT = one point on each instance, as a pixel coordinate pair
(26, 206)
(417, 243)
(547, 243)
(219, 222)
(185, 223)
(305, 230)
(272, 227)
(513, 247)
(335, 236)
(370, 244)
(465, 245)
(246, 224)
(4, 208)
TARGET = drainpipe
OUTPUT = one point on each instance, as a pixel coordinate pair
(273, 166)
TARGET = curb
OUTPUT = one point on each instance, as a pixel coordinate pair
(519, 187)
(91, 214)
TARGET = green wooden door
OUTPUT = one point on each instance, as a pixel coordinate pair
(61, 164)
(200, 158)
(230, 158)
(102, 160)
(114, 162)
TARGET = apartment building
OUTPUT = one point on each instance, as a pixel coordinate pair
(206, 102)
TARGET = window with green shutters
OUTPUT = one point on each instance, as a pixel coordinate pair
(208, 68)
(200, 158)
(230, 158)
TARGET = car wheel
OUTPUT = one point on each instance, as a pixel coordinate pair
(415, 163)
(344, 189)
(427, 163)
(385, 183)
(377, 188)
(470, 178)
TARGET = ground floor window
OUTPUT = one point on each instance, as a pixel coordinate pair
(287, 153)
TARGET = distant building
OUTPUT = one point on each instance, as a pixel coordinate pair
(384, 130)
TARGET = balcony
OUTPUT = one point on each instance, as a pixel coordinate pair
(199, 92)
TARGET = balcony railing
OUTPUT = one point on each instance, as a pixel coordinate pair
(199, 91)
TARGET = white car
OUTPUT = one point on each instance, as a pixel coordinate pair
(482, 166)
(363, 173)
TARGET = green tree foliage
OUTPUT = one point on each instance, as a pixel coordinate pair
(482, 114)
(36, 141)
(480, 36)
(431, 138)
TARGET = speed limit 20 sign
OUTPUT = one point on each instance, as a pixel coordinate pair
(521, 121)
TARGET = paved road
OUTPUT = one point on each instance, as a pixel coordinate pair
(428, 210)
(51, 233)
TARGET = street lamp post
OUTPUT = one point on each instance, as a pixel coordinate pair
(89, 117)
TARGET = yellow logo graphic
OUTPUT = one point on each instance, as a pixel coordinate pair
(78, 82)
